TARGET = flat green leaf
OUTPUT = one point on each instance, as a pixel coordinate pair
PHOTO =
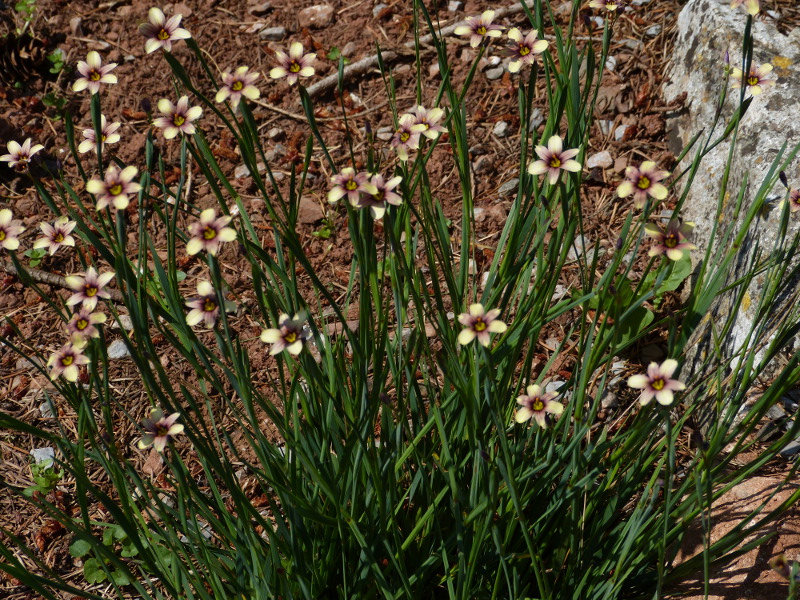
(93, 571)
(80, 548)
(120, 578)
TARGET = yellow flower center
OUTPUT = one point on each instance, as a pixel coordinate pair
(537, 404)
(90, 290)
(671, 240)
(290, 338)
(161, 430)
(555, 162)
(94, 76)
(479, 325)
(481, 30)
(237, 86)
(404, 136)
(524, 50)
(2, 235)
(67, 360)
(115, 190)
(294, 67)
(643, 183)
(103, 137)
(163, 34)
(209, 305)
(209, 233)
(351, 185)
(379, 196)
(658, 384)
(81, 324)
(178, 120)
(752, 80)
(58, 238)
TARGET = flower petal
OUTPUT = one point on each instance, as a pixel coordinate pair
(638, 382)
(466, 336)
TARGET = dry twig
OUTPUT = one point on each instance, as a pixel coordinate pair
(365, 64)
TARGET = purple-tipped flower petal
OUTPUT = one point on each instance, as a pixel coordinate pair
(537, 405)
(9, 230)
(479, 28)
(290, 335)
(67, 360)
(643, 182)
(671, 241)
(88, 288)
(19, 157)
(115, 189)
(161, 32)
(237, 85)
(657, 383)
(293, 65)
(479, 323)
(553, 159)
(93, 73)
(108, 135)
(209, 233)
(159, 430)
(523, 50)
(756, 80)
(177, 118)
(56, 235)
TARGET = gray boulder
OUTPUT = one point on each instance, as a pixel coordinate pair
(706, 30)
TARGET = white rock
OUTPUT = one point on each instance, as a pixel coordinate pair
(653, 30)
(706, 29)
(501, 129)
(579, 247)
(376, 10)
(611, 63)
(124, 320)
(117, 349)
(43, 455)
(495, 73)
(315, 16)
(433, 70)
(272, 34)
(482, 165)
(605, 126)
(601, 159)
(454, 6)
(608, 400)
(619, 132)
(75, 26)
(536, 119)
(46, 410)
(509, 188)
(242, 171)
(385, 133)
